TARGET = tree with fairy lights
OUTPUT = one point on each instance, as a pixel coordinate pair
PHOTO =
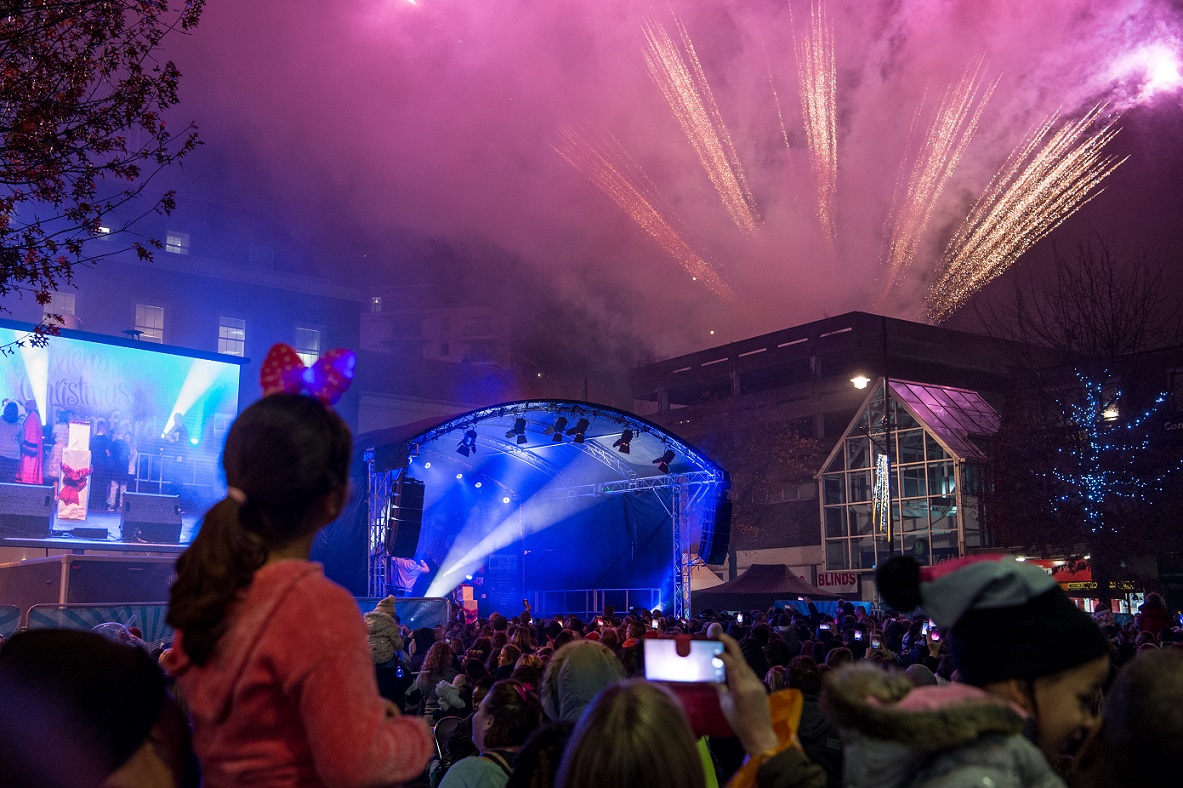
(1082, 464)
(1109, 469)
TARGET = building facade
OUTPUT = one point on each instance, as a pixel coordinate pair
(796, 388)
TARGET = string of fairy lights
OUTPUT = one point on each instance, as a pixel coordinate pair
(1103, 464)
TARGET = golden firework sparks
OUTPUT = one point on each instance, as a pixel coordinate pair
(954, 125)
(679, 75)
(784, 132)
(817, 74)
(607, 165)
(1048, 176)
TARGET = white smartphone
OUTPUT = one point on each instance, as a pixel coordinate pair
(702, 664)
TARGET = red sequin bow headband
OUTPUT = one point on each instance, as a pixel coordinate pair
(284, 373)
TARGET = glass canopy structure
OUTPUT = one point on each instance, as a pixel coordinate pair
(921, 461)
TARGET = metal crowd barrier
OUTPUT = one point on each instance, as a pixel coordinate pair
(10, 620)
(148, 617)
(414, 612)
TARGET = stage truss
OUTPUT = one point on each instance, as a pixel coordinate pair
(688, 491)
(689, 488)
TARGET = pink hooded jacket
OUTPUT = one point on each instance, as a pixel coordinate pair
(290, 697)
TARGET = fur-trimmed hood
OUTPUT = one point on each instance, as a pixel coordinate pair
(895, 734)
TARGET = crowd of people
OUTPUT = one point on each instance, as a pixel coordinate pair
(980, 672)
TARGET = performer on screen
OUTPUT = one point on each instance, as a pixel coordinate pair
(32, 447)
(11, 435)
(403, 574)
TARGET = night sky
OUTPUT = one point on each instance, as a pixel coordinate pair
(416, 142)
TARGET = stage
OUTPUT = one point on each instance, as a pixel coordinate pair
(62, 540)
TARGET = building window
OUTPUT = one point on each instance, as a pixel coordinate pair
(231, 336)
(59, 304)
(308, 344)
(150, 322)
(176, 242)
(376, 303)
(261, 254)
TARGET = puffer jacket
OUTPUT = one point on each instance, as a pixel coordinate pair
(952, 736)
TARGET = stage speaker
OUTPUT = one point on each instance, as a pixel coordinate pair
(716, 532)
(25, 509)
(406, 519)
(154, 519)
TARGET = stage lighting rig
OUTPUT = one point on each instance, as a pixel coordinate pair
(578, 430)
(663, 462)
(467, 444)
(556, 432)
(622, 443)
(519, 430)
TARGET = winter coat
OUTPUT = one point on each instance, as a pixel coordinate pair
(952, 736)
(820, 741)
(289, 697)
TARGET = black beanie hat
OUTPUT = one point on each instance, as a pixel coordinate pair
(91, 698)
(1005, 619)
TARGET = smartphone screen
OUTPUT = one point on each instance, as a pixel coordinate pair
(858, 634)
(739, 617)
(824, 627)
(924, 628)
(875, 643)
(702, 664)
(936, 636)
(654, 624)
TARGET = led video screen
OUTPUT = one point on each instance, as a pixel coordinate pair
(173, 410)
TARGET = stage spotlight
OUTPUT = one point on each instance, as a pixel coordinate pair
(519, 430)
(579, 429)
(460, 476)
(467, 444)
(468, 577)
(622, 443)
(663, 462)
(505, 499)
(557, 430)
(427, 465)
(477, 485)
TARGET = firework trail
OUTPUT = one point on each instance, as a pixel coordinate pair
(684, 85)
(956, 121)
(816, 72)
(784, 132)
(606, 164)
(1046, 179)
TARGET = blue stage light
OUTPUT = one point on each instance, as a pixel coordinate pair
(460, 476)
(477, 485)
(505, 499)
(427, 465)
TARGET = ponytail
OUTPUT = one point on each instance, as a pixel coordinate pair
(221, 561)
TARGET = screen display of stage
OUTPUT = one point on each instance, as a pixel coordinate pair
(173, 410)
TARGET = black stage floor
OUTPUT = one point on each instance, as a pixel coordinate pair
(61, 539)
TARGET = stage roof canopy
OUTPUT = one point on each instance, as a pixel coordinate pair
(516, 446)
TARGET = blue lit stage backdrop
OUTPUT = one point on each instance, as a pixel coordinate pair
(140, 390)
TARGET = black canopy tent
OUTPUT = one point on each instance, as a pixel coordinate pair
(757, 588)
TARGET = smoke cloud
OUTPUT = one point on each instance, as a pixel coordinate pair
(416, 141)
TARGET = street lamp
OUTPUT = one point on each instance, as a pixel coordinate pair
(860, 381)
